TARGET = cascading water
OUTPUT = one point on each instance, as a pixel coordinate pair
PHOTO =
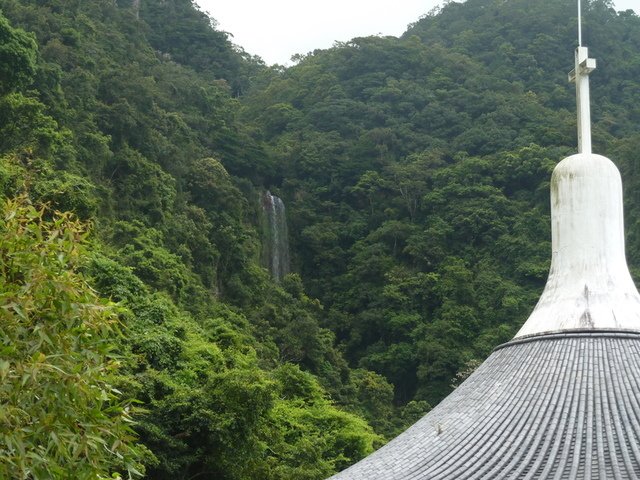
(275, 251)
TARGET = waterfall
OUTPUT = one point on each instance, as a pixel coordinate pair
(275, 251)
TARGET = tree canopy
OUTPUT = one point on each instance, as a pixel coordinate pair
(415, 173)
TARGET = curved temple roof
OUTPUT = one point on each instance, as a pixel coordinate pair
(558, 406)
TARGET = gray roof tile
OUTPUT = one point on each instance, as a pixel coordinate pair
(560, 406)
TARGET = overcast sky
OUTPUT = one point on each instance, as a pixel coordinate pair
(277, 29)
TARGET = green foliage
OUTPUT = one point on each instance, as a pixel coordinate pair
(11, 175)
(149, 149)
(61, 416)
(212, 409)
(17, 58)
(415, 172)
(374, 396)
(142, 188)
(66, 192)
(26, 128)
(301, 447)
(190, 39)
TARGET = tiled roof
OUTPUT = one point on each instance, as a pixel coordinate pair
(563, 406)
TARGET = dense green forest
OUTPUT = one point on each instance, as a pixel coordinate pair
(141, 333)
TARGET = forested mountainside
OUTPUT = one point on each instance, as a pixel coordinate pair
(416, 173)
(415, 176)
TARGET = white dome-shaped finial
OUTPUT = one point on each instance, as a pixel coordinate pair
(589, 285)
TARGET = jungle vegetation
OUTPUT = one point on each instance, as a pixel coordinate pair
(140, 334)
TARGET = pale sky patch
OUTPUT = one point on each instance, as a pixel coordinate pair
(277, 29)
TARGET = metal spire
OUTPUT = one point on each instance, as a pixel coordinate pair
(580, 75)
(579, 23)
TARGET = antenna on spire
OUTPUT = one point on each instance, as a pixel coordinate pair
(580, 75)
(579, 23)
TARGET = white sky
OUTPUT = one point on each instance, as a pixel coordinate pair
(277, 29)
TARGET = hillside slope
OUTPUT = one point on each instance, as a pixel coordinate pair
(415, 174)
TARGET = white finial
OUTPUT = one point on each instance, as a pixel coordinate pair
(580, 75)
(589, 285)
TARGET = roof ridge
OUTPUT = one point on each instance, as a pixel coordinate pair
(587, 332)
